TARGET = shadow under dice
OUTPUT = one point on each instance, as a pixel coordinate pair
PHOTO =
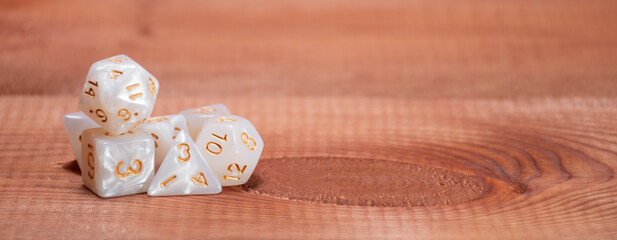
(231, 146)
(164, 130)
(74, 124)
(118, 94)
(117, 165)
(196, 117)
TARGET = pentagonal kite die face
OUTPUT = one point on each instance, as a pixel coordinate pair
(74, 124)
(163, 130)
(117, 165)
(118, 94)
(232, 146)
(196, 117)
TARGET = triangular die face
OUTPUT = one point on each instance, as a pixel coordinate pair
(184, 171)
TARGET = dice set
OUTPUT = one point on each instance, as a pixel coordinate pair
(122, 150)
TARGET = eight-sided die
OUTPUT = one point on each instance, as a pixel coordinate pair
(74, 124)
(164, 130)
(196, 117)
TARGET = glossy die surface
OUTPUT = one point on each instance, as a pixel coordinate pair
(74, 124)
(184, 171)
(196, 117)
(118, 94)
(231, 146)
(117, 165)
(163, 130)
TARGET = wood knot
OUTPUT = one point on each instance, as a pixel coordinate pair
(363, 182)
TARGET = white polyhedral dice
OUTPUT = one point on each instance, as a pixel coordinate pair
(231, 146)
(74, 124)
(118, 94)
(196, 117)
(164, 130)
(117, 165)
(184, 171)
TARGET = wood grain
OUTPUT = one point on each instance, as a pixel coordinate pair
(549, 165)
(380, 120)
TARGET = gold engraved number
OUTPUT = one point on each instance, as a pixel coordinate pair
(241, 171)
(90, 165)
(200, 179)
(156, 145)
(156, 119)
(218, 148)
(115, 74)
(186, 152)
(224, 138)
(164, 184)
(101, 114)
(132, 97)
(246, 140)
(130, 88)
(129, 170)
(138, 123)
(152, 87)
(124, 114)
(205, 110)
(217, 151)
(90, 91)
(117, 59)
(176, 129)
(225, 119)
(90, 162)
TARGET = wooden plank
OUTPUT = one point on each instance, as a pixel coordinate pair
(343, 168)
(398, 119)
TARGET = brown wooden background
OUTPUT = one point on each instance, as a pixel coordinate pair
(381, 119)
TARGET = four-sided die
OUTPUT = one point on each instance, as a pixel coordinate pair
(231, 146)
(164, 130)
(74, 124)
(117, 165)
(196, 117)
(184, 171)
(118, 94)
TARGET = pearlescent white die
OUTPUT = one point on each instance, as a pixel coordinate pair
(184, 171)
(117, 165)
(164, 130)
(74, 124)
(118, 94)
(196, 117)
(231, 146)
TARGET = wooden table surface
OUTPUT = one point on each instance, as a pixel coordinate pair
(381, 119)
